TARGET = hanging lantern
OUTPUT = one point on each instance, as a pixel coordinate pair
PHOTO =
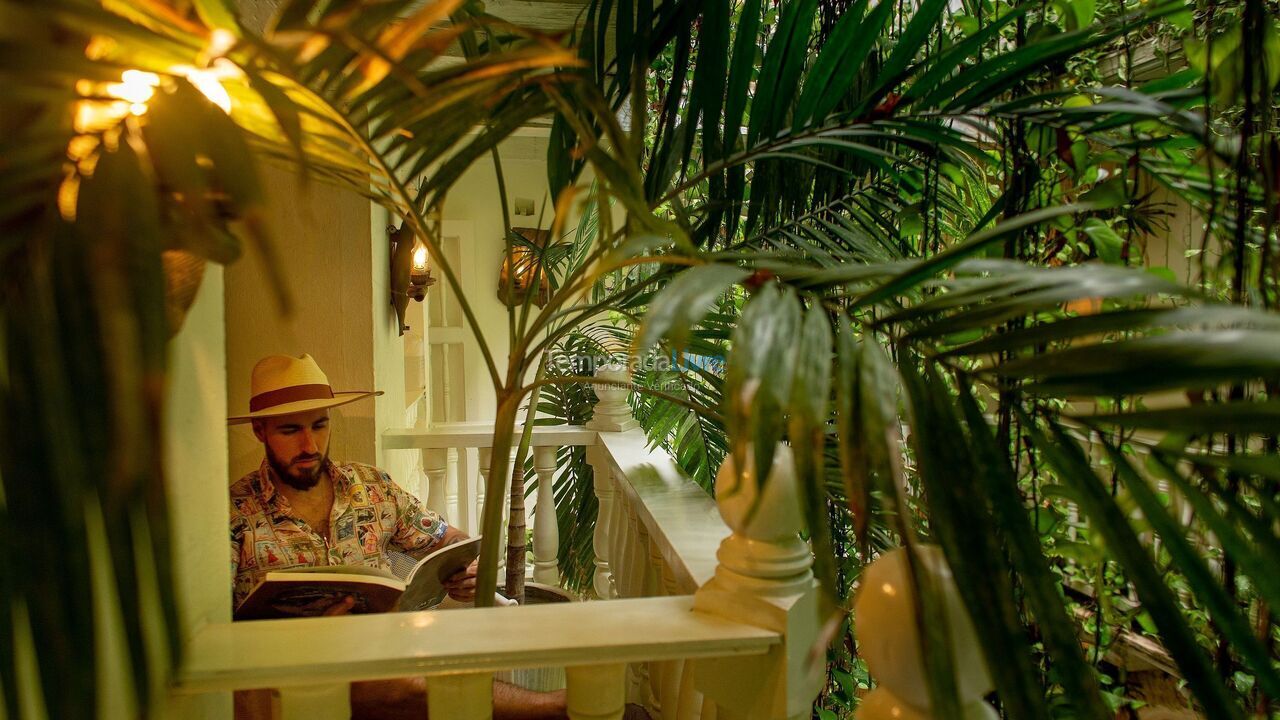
(522, 266)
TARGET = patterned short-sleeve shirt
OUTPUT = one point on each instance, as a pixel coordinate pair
(370, 514)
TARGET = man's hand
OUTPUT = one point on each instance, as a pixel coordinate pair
(341, 606)
(462, 584)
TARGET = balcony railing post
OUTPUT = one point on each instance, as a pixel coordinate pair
(603, 483)
(461, 696)
(483, 456)
(612, 412)
(330, 701)
(595, 692)
(546, 534)
(435, 463)
(765, 579)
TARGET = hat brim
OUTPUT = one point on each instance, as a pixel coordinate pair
(341, 398)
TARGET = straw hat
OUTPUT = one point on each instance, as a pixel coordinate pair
(283, 385)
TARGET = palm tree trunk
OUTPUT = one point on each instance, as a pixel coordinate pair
(491, 517)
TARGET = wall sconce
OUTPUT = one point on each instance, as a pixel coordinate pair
(515, 277)
(410, 271)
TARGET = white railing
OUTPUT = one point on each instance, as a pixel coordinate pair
(683, 632)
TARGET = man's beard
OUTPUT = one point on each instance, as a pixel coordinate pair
(295, 477)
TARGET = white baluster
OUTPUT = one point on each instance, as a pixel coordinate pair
(631, 585)
(603, 483)
(456, 507)
(618, 535)
(330, 701)
(485, 456)
(546, 533)
(435, 465)
(611, 414)
(595, 692)
(663, 677)
(462, 696)
(763, 579)
(690, 703)
(621, 543)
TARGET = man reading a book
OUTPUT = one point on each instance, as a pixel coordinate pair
(301, 509)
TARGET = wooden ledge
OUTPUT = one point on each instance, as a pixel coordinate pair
(310, 651)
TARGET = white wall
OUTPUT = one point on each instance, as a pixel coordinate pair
(322, 237)
(388, 349)
(475, 200)
(1168, 248)
(195, 463)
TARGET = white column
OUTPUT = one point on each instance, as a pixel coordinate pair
(435, 463)
(463, 696)
(330, 701)
(618, 534)
(546, 532)
(600, 539)
(611, 414)
(456, 490)
(485, 456)
(764, 579)
(595, 692)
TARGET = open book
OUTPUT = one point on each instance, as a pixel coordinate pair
(304, 592)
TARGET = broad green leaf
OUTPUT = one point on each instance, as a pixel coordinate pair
(854, 468)
(763, 342)
(809, 408)
(1108, 244)
(684, 302)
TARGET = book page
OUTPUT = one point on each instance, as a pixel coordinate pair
(426, 582)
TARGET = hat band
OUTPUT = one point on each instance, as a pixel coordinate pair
(293, 393)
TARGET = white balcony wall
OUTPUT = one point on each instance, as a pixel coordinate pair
(195, 463)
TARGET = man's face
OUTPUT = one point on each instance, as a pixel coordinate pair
(297, 446)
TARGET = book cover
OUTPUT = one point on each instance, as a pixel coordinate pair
(308, 591)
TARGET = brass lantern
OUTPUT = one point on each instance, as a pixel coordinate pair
(516, 277)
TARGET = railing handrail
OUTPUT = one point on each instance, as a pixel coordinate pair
(308, 651)
(679, 516)
(479, 434)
